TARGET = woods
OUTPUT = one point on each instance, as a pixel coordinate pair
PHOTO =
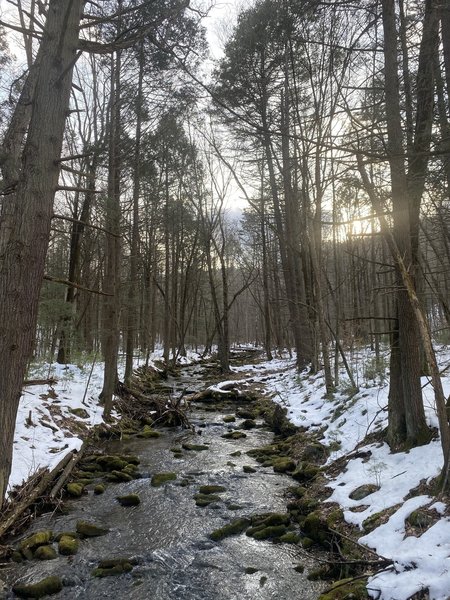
(125, 158)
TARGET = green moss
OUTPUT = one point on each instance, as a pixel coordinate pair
(283, 464)
(267, 519)
(335, 516)
(40, 538)
(248, 469)
(315, 452)
(290, 538)
(206, 499)
(128, 500)
(297, 490)
(119, 568)
(346, 588)
(305, 472)
(243, 413)
(45, 587)
(68, 545)
(307, 543)
(421, 519)
(159, 479)
(72, 534)
(130, 459)
(75, 489)
(212, 489)
(234, 435)
(373, 521)
(119, 476)
(270, 450)
(271, 532)
(236, 526)
(229, 419)
(316, 528)
(86, 529)
(195, 447)
(248, 424)
(45, 553)
(111, 463)
(99, 489)
(147, 433)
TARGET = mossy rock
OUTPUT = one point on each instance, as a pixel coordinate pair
(80, 412)
(119, 476)
(86, 529)
(72, 534)
(128, 500)
(270, 450)
(84, 474)
(297, 490)
(234, 506)
(212, 489)
(315, 527)
(111, 463)
(234, 435)
(244, 413)
(130, 459)
(45, 587)
(45, 553)
(315, 452)
(304, 505)
(270, 533)
(235, 527)
(16, 557)
(75, 489)
(421, 519)
(290, 537)
(229, 419)
(194, 447)
(305, 472)
(248, 424)
(335, 516)
(307, 543)
(364, 490)
(40, 538)
(283, 464)
(251, 570)
(248, 469)
(236, 453)
(68, 545)
(346, 588)
(147, 420)
(319, 574)
(83, 482)
(159, 479)
(267, 519)
(99, 489)
(112, 568)
(373, 521)
(147, 433)
(91, 468)
(206, 499)
(299, 568)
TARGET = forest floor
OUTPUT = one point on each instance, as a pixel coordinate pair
(388, 500)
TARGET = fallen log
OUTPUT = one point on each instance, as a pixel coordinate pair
(73, 461)
(14, 510)
(48, 381)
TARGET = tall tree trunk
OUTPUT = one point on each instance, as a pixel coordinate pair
(111, 306)
(26, 216)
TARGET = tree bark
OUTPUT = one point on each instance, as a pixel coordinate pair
(25, 228)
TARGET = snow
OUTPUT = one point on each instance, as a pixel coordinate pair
(420, 562)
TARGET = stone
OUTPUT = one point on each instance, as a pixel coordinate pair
(206, 499)
(86, 529)
(45, 553)
(195, 447)
(99, 489)
(40, 538)
(45, 587)
(235, 527)
(248, 469)
(68, 545)
(305, 472)
(212, 489)
(160, 478)
(283, 464)
(248, 424)
(363, 490)
(128, 500)
(229, 419)
(75, 489)
(147, 433)
(234, 435)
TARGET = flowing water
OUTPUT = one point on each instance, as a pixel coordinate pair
(168, 534)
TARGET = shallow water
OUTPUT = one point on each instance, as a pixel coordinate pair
(168, 534)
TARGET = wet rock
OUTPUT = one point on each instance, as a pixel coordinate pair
(363, 490)
(237, 453)
(119, 476)
(130, 459)
(147, 433)
(160, 478)
(111, 463)
(251, 570)
(234, 435)
(128, 500)
(299, 568)
(267, 519)
(290, 538)
(235, 527)
(229, 419)
(195, 447)
(113, 567)
(75, 489)
(248, 469)
(206, 499)
(99, 489)
(68, 545)
(40, 538)
(243, 413)
(248, 424)
(16, 557)
(297, 490)
(45, 553)
(283, 464)
(271, 532)
(86, 529)
(45, 587)
(212, 489)
(234, 506)
(316, 528)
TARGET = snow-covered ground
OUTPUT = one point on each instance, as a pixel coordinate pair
(420, 562)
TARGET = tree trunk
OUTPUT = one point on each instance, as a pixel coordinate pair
(26, 219)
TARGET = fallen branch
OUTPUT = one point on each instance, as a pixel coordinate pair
(48, 381)
(73, 461)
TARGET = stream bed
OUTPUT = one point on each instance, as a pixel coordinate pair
(168, 535)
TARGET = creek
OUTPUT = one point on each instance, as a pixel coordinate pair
(168, 535)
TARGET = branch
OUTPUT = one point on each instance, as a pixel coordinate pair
(75, 285)
(72, 220)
